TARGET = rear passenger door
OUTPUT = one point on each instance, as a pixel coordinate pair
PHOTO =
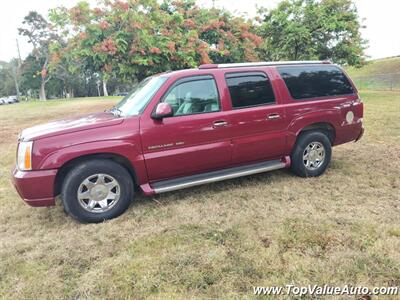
(257, 120)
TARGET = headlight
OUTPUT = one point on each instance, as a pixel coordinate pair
(24, 156)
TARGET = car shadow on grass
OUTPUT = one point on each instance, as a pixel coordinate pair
(226, 186)
(232, 188)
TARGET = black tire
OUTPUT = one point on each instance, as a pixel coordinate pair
(306, 138)
(74, 178)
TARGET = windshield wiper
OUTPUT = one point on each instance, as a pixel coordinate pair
(115, 111)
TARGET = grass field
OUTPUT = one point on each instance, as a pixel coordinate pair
(216, 240)
(378, 74)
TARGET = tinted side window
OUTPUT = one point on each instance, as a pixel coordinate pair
(193, 97)
(315, 81)
(249, 89)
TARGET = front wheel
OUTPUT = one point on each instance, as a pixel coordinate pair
(311, 154)
(97, 190)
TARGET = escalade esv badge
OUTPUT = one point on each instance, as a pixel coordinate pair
(165, 145)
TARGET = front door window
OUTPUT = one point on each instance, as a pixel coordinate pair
(194, 96)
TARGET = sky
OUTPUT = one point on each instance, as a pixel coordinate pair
(381, 19)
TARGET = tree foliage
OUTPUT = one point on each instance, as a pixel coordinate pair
(7, 86)
(122, 41)
(313, 29)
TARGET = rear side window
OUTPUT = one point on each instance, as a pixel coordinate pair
(315, 81)
(249, 89)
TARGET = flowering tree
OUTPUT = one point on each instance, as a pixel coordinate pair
(137, 38)
(40, 34)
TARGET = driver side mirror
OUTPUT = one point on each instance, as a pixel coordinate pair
(163, 110)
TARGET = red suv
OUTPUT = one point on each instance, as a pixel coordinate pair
(184, 128)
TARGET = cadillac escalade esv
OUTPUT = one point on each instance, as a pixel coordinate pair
(184, 128)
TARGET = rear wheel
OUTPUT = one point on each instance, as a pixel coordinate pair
(97, 190)
(311, 154)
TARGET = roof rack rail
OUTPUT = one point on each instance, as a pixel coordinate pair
(263, 63)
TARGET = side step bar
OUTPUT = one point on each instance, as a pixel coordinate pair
(189, 181)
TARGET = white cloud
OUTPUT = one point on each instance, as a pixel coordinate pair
(382, 23)
(381, 19)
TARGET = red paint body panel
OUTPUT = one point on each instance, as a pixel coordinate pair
(184, 145)
(78, 123)
(331, 110)
(122, 140)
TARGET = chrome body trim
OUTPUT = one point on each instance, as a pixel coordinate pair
(274, 165)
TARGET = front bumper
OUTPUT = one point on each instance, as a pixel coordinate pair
(35, 187)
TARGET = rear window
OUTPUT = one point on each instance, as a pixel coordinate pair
(315, 81)
(249, 89)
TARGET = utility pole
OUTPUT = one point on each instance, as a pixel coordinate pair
(17, 70)
(19, 54)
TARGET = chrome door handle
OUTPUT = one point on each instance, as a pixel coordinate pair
(217, 124)
(273, 116)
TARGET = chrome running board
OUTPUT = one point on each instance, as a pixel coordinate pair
(189, 181)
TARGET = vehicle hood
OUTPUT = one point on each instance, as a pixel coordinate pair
(79, 123)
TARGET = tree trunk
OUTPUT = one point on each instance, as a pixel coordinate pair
(105, 92)
(98, 89)
(42, 91)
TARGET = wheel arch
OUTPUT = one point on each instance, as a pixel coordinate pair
(68, 165)
(326, 127)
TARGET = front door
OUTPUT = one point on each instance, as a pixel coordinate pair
(195, 139)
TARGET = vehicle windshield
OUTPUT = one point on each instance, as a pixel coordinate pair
(135, 102)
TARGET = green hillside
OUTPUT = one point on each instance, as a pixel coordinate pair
(379, 74)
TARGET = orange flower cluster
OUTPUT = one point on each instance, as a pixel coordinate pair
(82, 35)
(216, 24)
(98, 11)
(171, 46)
(55, 58)
(121, 5)
(253, 37)
(43, 73)
(202, 50)
(137, 25)
(77, 15)
(104, 25)
(107, 46)
(189, 23)
(135, 50)
(155, 50)
(107, 68)
(221, 45)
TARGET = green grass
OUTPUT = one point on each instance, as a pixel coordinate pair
(379, 74)
(68, 100)
(216, 240)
